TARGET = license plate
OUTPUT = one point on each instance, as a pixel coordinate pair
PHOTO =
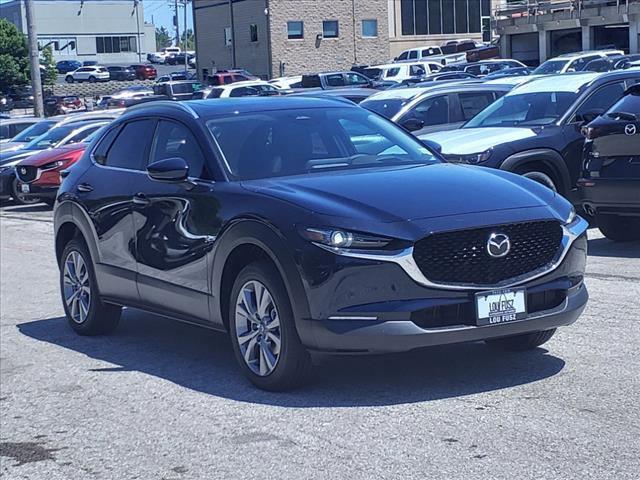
(501, 306)
(25, 188)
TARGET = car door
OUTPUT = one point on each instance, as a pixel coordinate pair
(176, 225)
(595, 102)
(81, 74)
(106, 192)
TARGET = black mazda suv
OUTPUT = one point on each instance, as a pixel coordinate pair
(610, 183)
(304, 225)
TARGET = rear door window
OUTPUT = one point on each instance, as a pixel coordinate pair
(473, 103)
(432, 111)
(356, 79)
(131, 147)
(413, 54)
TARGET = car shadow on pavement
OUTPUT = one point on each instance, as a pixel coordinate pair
(203, 361)
(38, 207)
(603, 247)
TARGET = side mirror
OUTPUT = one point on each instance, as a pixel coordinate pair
(170, 170)
(590, 115)
(431, 145)
(412, 124)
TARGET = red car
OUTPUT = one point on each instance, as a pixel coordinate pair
(145, 72)
(39, 174)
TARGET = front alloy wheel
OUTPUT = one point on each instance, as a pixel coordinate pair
(258, 328)
(263, 329)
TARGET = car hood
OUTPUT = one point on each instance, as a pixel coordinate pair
(47, 156)
(405, 193)
(11, 146)
(12, 156)
(467, 141)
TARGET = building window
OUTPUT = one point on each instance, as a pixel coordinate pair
(227, 36)
(330, 29)
(295, 30)
(369, 28)
(253, 33)
(432, 17)
(116, 44)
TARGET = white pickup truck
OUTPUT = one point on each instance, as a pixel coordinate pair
(432, 54)
(159, 57)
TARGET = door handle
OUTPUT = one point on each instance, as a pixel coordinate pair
(140, 199)
(84, 188)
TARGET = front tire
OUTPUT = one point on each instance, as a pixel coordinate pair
(263, 332)
(520, 343)
(542, 178)
(69, 79)
(19, 197)
(86, 313)
(619, 229)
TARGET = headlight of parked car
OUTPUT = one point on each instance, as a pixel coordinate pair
(343, 239)
(476, 158)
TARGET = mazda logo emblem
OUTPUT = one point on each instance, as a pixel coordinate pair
(498, 245)
(23, 171)
(630, 129)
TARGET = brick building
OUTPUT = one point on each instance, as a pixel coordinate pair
(287, 37)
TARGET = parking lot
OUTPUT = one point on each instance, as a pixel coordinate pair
(160, 399)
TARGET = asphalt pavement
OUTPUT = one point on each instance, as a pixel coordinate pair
(164, 400)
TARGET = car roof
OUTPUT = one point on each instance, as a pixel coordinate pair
(14, 120)
(228, 106)
(411, 92)
(572, 82)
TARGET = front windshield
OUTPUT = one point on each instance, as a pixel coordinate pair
(526, 109)
(550, 66)
(293, 142)
(33, 131)
(387, 107)
(49, 139)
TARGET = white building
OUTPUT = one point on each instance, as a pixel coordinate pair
(108, 31)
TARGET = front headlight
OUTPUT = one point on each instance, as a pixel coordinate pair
(571, 217)
(476, 158)
(343, 239)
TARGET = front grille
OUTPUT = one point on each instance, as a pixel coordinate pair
(461, 257)
(26, 173)
(465, 313)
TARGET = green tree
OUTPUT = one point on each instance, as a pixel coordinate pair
(14, 56)
(163, 39)
(190, 43)
(50, 73)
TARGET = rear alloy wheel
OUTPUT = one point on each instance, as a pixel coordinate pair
(92, 79)
(542, 178)
(619, 229)
(86, 313)
(68, 79)
(262, 329)
(519, 343)
(19, 197)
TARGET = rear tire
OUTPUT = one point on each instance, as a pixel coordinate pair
(92, 79)
(263, 332)
(619, 229)
(520, 343)
(86, 313)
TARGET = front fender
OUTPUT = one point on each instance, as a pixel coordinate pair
(271, 241)
(549, 157)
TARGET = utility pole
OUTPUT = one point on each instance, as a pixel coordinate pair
(186, 59)
(176, 24)
(233, 35)
(34, 60)
(135, 4)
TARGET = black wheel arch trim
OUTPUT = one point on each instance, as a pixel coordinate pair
(270, 240)
(68, 211)
(549, 157)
